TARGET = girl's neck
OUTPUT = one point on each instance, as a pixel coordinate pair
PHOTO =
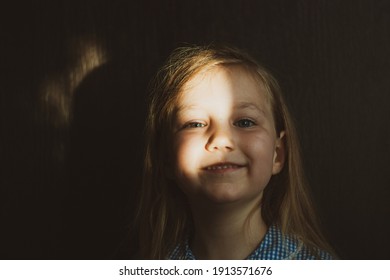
(227, 231)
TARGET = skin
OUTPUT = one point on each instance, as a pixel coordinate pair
(226, 150)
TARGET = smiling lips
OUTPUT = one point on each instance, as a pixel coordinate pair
(223, 167)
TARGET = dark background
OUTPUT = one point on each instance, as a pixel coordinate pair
(74, 78)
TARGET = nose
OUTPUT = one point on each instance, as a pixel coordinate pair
(220, 139)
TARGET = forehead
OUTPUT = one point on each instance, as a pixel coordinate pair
(224, 85)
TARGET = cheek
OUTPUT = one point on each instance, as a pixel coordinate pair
(187, 153)
(260, 149)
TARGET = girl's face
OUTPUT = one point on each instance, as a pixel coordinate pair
(225, 145)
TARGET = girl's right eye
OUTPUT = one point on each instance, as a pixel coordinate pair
(194, 125)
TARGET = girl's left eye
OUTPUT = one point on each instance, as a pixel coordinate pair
(243, 123)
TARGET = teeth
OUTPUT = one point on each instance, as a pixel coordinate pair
(220, 167)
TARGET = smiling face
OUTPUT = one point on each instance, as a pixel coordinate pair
(225, 145)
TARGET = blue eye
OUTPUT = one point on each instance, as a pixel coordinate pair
(194, 125)
(244, 123)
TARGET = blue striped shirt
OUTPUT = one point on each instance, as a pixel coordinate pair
(275, 246)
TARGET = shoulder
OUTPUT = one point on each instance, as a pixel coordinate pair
(278, 246)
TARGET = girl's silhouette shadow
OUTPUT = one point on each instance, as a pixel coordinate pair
(104, 164)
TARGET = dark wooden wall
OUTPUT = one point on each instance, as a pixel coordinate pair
(74, 77)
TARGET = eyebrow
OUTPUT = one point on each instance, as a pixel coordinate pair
(185, 107)
(248, 105)
(239, 106)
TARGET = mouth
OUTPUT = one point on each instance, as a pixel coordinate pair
(223, 167)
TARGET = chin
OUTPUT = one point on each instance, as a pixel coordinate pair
(223, 195)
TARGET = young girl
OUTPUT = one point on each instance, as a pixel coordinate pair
(223, 176)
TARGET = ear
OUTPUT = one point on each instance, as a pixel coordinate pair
(279, 154)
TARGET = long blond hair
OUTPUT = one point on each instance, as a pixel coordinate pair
(164, 218)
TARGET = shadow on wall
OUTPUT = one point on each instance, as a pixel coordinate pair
(104, 164)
